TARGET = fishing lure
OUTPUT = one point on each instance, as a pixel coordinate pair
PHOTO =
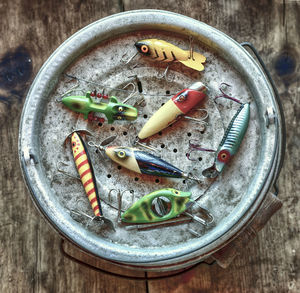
(177, 106)
(160, 50)
(144, 163)
(162, 205)
(231, 141)
(113, 110)
(87, 176)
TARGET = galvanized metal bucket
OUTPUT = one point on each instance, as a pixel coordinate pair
(239, 199)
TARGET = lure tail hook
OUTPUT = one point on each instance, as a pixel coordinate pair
(226, 96)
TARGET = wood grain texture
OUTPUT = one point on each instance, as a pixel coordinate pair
(30, 257)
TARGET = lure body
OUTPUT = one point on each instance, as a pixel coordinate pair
(157, 206)
(142, 162)
(86, 172)
(160, 50)
(178, 105)
(113, 110)
(231, 141)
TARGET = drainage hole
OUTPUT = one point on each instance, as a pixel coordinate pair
(162, 145)
(108, 175)
(183, 181)
(160, 133)
(100, 124)
(157, 180)
(202, 131)
(136, 179)
(112, 128)
(167, 92)
(145, 116)
(175, 150)
(119, 167)
(200, 159)
(124, 133)
(189, 134)
(162, 104)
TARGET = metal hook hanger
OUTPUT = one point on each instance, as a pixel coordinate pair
(137, 142)
(134, 92)
(164, 75)
(191, 48)
(58, 99)
(128, 60)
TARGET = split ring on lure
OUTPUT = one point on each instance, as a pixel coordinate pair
(162, 205)
(87, 176)
(113, 110)
(177, 106)
(160, 50)
(231, 141)
(142, 162)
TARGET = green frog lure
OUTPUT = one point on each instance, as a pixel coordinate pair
(162, 205)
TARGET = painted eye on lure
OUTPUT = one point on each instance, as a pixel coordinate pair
(121, 154)
(144, 49)
(224, 156)
(120, 109)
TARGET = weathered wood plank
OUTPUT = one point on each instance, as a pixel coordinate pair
(30, 259)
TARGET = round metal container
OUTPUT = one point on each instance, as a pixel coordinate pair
(96, 52)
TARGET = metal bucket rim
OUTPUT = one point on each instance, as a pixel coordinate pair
(109, 250)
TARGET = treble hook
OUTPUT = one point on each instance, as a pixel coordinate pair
(164, 75)
(226, 96)
(200, 120)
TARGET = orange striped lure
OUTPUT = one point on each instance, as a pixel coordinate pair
(87, 176)
(160, 50)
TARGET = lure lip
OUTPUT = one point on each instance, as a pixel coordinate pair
(211, 172)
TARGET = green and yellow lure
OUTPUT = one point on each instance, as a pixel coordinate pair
(157, 206)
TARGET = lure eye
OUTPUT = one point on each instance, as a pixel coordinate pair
(224, 156)
(121, 154)
(144, 49)
(176, 192)
(120, 109)
(73, 144)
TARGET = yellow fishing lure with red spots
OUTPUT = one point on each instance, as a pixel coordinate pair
(86, 172)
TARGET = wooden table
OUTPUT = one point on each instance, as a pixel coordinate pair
(30, 256)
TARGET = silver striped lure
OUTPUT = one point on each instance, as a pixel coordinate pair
(231, 141)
